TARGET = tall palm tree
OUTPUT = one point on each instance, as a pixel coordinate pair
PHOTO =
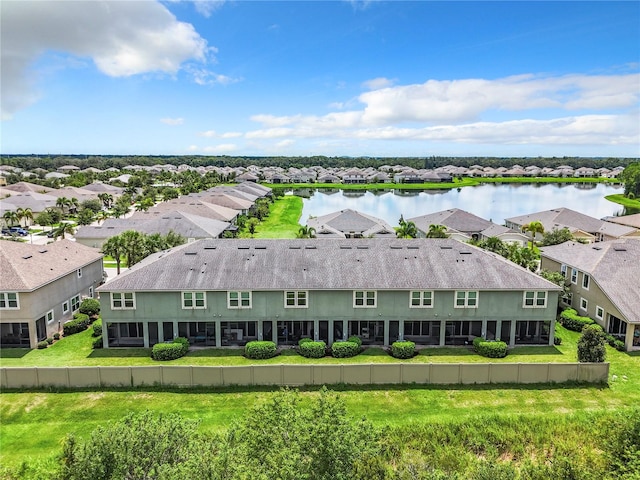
(114, 247)
(101, 216)
(534, 228)
(63, 229)
(406, 229)
(73, 205)
(134, 246)
(62, 203)
(23, 213)
(106, 199)
(306, 232)
(10, 218)
(437, 231)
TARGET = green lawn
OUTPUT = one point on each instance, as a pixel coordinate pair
(282, 222)
(624, 201)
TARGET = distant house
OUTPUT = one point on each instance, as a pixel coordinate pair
(605, 283)
(350, 224)
(228, 292)
(42, 286)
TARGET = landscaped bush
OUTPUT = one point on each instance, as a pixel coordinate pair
(312, 349)
(304, 340)
(490, 349)
(170, 351)
(355, 339)
(49, 340)
(570, 320)
(56, 336)
(591, 345)
(97, 342)
(619, 345)
(79, 323)
(403, 349)
(42, 344)
(90, 307)
(260, 350)
(557, 340)
(97, 328)
(345, 349)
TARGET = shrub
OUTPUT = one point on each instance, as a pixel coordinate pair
(170, 351)
(591, 346)
(56, 336)
(304, 340)
(490, 348)
(49, 340)
(610, 339)
(345, 349)
(97, 328)
(619, 345)
(403, 349)
(557, 340)
(355, 339)
(42, 344)
(79, 323)
(570, 320)
(312, 349)
(90, 307)
(97, 342)
(260, 350)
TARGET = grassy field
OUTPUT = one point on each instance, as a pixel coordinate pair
(620, 199)
(283, 219)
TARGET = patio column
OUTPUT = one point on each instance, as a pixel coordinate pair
(33, 337)
(385, 340)
(218, 325)
(483, 332)
(145, 334)
(316, 330)
(512, 334)
(443, 331)
(552, 331)
(345, 329)
(330, 327)
(499, 330)
(401, 330)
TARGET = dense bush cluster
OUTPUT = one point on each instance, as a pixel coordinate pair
(90, 307)
(312, 349)
(97, 328)
(591, 346)
(403, 350)
(570, 320)
(490, 349)
(260, 350)
(170, 351)
(345, 349)
(79, 324)
(355, 339)
(615, 343)
(42, 344)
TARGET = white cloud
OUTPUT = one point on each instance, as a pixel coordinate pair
(378, 83)
(285, 143)
(122, 38)
(214, 134)
(172, 121)
(204, 76)
(207, 7)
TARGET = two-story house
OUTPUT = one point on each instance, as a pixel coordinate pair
(41, 286)
(228, 292)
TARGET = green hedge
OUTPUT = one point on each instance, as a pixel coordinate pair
(170, 351)
(345, 349)
(614, 342)
(570, 320)
(312, 349)
(304, 340)
(355, 339)
(403, 350)
(97, 328)
(97, 342)
(490, 349)
(43, 344)
(260, 350)
(79, 324)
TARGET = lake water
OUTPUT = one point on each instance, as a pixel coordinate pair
(493, 202)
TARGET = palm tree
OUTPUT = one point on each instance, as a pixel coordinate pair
(10, 218)
(114, 247)
(437, 231)
(106, 199)
(134, 246)
(306, 232)
(24, 213)
(102, 216)
(64, 228)
(73, 205)
(62, 203)
(534, 228)
(406, 229)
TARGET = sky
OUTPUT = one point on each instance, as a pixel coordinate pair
(305, 78)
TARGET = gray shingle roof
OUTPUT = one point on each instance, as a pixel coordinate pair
(350, 221)
(614, 266)
(326, 264)
(25, 267)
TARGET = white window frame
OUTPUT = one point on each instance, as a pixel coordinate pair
(601, 310)
(296, 299)
(50, 316)
(584, 304)
(239, 299)
(79, 272)
(75, 301)
(574, 276)
(196, 303)
(465, 297)
(4, 298)
(563, 270)
(423, 297)
(123, 298)
(65, 307)
(534, 299)
(586, 279)
(365, 299)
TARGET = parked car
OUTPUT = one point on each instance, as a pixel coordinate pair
(18, 231)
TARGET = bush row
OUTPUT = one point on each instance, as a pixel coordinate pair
(570, 320)
(403, 350)
(170, 351)
(490, 348)
(615, 343)
(79, 324)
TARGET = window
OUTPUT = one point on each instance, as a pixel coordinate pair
(574, 275)
(123, 301)
(585, 281)
(9, 300)
(239, 300)
(194, 300)
(65, 307)
(75, 303)
(364, 299)
(535, 300)
(466, 299)
(599, 312)
(295, 299)
(583, 304)
(421, 299)
(563, 270)
(49, 316)
(79, 272)
(91, 291)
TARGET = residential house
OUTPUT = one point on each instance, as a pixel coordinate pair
(350, 224)
(42, 286)
(228, 292)
(604, 279)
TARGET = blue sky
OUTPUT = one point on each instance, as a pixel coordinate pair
(336, 78)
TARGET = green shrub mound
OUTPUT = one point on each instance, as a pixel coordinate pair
(56, 336)
(42, 344)
(90, 307)
(403, 350)
(79, 324)
(49, 340)
(304, 340)
(312, 349)
(490, 348)
(97, 328)
(355, 339)
(570, 320)
(97, 342)
(614, 342)
(557, 340)
(170, 351)
(260, 350)
(345, 349)
(591, 345)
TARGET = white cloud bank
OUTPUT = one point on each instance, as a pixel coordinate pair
(123, 38)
